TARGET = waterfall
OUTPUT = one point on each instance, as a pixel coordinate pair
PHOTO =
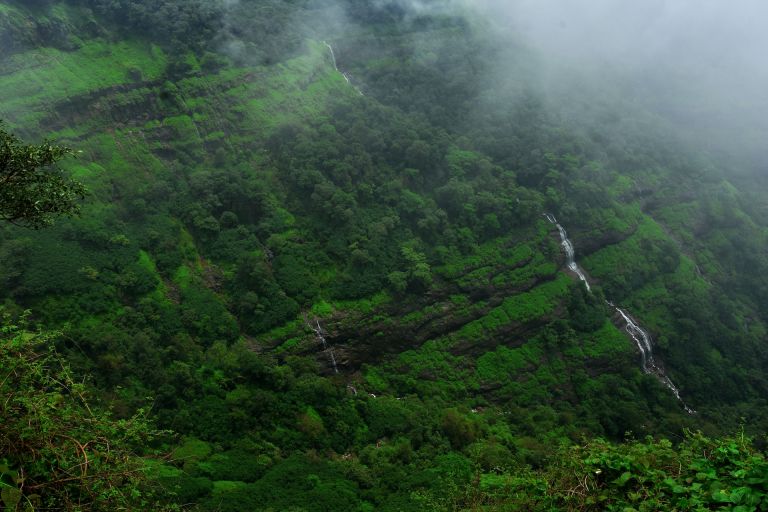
(320, 335)
(333, 55)
(336, 67)
(643, 341)
(570, 255)
(641, 338)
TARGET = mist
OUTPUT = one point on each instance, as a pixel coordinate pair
(698, 65)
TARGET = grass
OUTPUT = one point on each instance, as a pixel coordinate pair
(628, 256)
(192, 449)
(364, 306)
(515, 310)
(160, 293)
(505, 363)
(34, 81)
(607, 342)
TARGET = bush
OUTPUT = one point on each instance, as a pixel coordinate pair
(59, 453)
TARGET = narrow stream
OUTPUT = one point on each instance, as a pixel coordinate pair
(641, 338)
(336, 67)
(570, 257)
(320, 335)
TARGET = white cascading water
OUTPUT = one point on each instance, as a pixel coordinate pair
(641, 338)
(336, 67)
(319, 334)
(570, 255)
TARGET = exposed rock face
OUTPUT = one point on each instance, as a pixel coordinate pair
(589, 243)
(360, 339)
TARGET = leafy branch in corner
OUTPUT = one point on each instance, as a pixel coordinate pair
(56, 451)
(32, 190)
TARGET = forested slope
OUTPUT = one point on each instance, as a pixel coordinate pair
(341, 292)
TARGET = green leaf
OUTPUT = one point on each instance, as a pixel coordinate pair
(623, 479)
(721, 496)
(11, 496)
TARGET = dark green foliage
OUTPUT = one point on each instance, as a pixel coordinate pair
(181, 23)
(32, 193)
(186, 489)
(303, 483)
(587, 310)
(459, 430)
(263, 303)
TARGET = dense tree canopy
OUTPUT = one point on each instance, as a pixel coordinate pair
(340, 291)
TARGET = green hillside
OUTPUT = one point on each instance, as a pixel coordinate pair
(341, 292)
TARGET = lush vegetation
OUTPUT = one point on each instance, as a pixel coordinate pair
(58, 451)
(245, 200)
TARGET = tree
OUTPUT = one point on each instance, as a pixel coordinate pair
(32, 192)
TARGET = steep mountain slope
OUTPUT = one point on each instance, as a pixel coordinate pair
(352, 278)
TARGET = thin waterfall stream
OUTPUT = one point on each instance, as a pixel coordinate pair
(640, 337)
(320, 335)
(570, 255)
(336, 67)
